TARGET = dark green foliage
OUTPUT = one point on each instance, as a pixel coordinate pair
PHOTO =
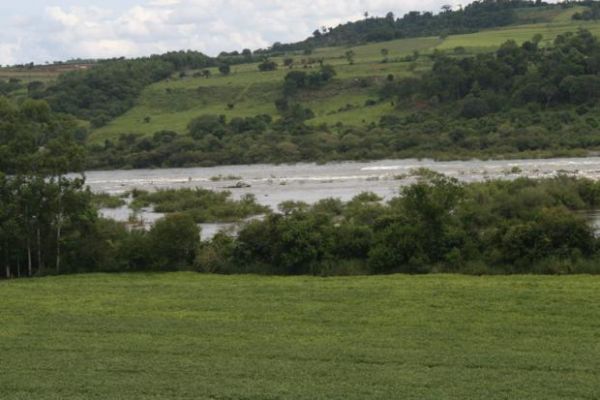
(216, 256)
(42, 223)
(441, 132)
(34, 140)
(292, 245)
(110, 246)
(296, 80)
(591, 14)
(564, 73)
(207, 125)
(201, 204)
(9, 86)
(105, 200)
(111, 87)
(474, 107)
(267, 66)
(225, 69)
(552, 232)
(436, 224)
(173, 241)
(472, 18)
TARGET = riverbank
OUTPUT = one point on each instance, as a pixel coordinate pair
(309, 182)
(274, 184)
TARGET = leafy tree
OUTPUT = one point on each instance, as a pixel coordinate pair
(173, 242)
(205, 125)
(350, 54)
(225, 69)
(267, 66)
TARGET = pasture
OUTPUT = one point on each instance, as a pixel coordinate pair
(190, 336)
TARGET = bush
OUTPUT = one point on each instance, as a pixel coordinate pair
(473, 107)
(173, 241)
(267, 66)
(225, 69)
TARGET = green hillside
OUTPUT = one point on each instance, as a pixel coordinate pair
(188, 336)
(171, 104)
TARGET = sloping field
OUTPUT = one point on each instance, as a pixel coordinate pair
(171, 104)
(189, 336)
(492, 39)
(247, 92)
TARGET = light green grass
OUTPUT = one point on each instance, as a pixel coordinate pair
(188, 336)
(27, 76)
(494, 38)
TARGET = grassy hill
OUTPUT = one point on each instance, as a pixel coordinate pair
(188, 336)
(172, 103)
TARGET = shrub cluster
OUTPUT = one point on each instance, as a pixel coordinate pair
(201, 204)
(436, 225)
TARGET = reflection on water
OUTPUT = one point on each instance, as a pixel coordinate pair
(273, 184)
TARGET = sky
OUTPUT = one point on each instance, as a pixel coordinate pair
(54, 30)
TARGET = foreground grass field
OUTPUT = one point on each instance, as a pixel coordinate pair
(188, 336)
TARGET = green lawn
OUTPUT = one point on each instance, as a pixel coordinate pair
(188, 336)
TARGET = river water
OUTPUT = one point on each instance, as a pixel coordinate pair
(309, 182)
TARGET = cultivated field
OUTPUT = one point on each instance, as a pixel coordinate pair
(188, 336)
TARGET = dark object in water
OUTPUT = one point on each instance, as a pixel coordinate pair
(239, 185)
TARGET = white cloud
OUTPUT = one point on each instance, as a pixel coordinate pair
(66, 19)
(8, 53)
(155, 26)
(164, 2)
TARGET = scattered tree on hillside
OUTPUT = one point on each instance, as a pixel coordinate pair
(225, 69)
(267, 66)
(350, 54)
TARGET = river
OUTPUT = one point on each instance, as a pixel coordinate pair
(309, 182)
